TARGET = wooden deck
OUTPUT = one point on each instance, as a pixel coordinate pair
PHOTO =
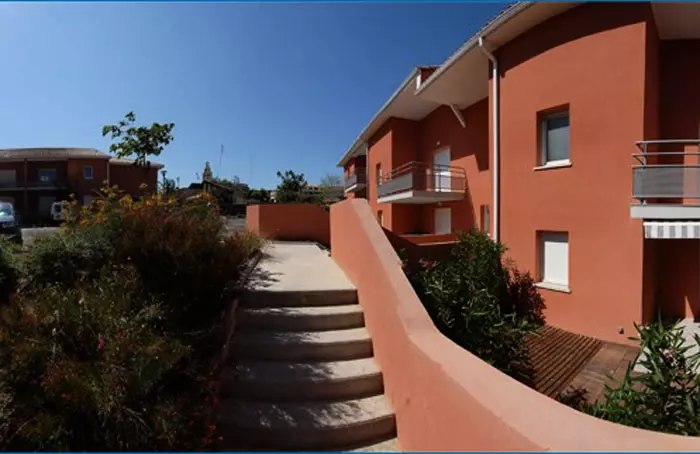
(562, 361)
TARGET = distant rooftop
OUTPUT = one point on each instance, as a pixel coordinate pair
(61, 153)
(51, 153)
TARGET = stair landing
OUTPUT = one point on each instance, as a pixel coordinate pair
(297, 266)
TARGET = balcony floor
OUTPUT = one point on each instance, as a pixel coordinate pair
(422, 197)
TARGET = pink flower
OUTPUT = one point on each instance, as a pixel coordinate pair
(100, 344)
(429, 264)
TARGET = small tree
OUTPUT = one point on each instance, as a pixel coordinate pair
(138, 142)
(169, 185)
(293, 188)
(259, 195)
(331, 187)
(331, 181)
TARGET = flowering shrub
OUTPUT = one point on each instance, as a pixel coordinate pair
(8, 270)
(107, 345)
(665, 396)
(480, 304)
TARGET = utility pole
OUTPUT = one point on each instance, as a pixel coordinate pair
(221, 155)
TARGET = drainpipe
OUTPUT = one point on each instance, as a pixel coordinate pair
(496, 145)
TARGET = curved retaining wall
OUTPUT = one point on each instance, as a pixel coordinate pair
(445, 398)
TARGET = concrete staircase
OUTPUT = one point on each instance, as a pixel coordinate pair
(302, 376)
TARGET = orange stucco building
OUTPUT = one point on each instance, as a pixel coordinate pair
(32, 179)
(570, 132)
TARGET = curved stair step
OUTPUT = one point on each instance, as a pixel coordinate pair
(297, 298)
(391, 445)
(302, 318)
(305, 425)
(333, 345)
(285, 381)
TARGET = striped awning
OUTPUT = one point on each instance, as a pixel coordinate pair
(672, 230)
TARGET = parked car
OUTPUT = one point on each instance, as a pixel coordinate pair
(9, 221)
(58, 211)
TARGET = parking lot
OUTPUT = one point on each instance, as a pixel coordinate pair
(29, 235)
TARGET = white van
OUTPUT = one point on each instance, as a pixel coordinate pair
(59, 211)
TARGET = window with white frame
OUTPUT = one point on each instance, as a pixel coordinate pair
(554, 137)
(87, 172)
(485, 219)
(554, 259)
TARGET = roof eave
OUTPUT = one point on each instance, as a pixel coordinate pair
(361, 138)
(473, 42)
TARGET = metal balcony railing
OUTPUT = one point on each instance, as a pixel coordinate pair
(667, 173)
(358, 178)
(418, 176)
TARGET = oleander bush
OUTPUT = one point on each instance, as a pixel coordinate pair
(664, 393)
(108, 342)
(482, 303)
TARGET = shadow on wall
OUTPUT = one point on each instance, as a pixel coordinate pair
(411, 252)
(445, 398)
(290, 222)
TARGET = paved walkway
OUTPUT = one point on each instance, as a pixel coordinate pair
(298, 266)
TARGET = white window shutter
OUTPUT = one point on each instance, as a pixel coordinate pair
(555, 258)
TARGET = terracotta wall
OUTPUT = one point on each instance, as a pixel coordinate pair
(403, 141)
(678, 268)
(289, 222)
(393, 145)
(680, 90)
(79, 185)
(591, 59)
(445, 398)
(130, 178)
(469, 149)
(358, 163)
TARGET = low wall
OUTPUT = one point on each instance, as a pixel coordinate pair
(431, 238)
(445, 398)
(290, 222)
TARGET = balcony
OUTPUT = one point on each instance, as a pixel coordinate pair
(667, 180)
(46, 183)
(356, 181)
(421, 183)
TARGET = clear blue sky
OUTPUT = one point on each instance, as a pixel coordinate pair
(280, 85)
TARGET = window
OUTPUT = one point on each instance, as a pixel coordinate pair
(379, 174)
(380, 217)
(87, 172)
(47, 177)
(554, 260)
(485, 219)
(555, 138)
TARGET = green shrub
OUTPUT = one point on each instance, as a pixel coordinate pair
(480, 304)
(666, 396)
(8, 270)
(67, 257)
(92, 369)
(110, 342)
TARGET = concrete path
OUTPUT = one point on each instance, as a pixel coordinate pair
(298, 266)
(301, 374)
